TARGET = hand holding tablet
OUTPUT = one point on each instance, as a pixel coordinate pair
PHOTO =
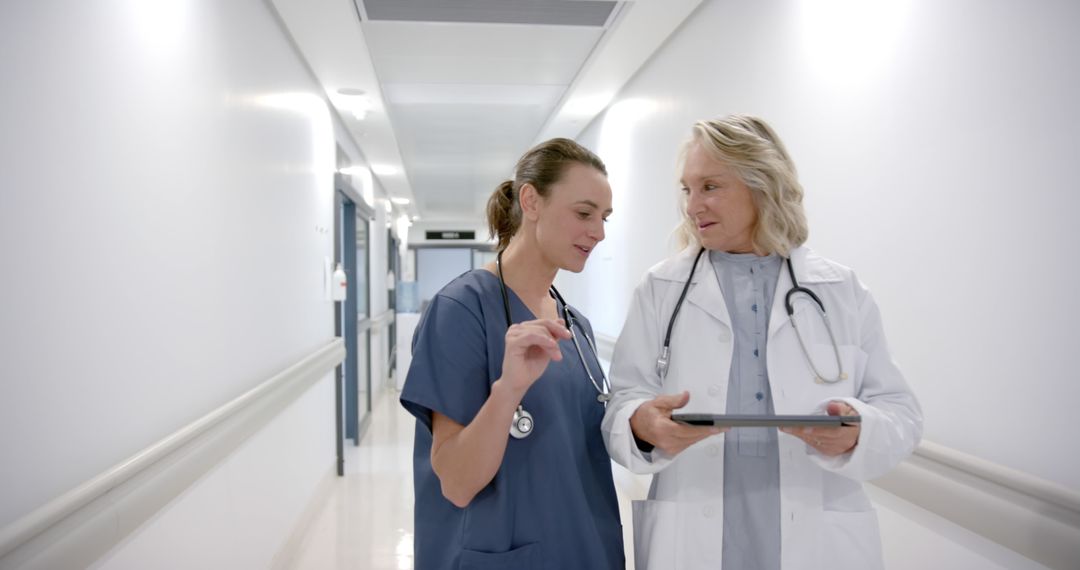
(833, 434)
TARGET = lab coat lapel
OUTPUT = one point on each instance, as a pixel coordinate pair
(810, 269)
(778, 317)
(705, 292)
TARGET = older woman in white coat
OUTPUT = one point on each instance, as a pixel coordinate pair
(754, 498)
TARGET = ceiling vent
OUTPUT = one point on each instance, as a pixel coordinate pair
(533, 12)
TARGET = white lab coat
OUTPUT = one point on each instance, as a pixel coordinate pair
(826, 519)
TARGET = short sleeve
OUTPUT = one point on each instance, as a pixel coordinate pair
(449, 369)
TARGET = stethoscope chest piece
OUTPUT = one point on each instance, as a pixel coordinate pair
(522, 426)
(820, 380)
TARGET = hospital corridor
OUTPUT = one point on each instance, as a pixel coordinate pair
(539, 284)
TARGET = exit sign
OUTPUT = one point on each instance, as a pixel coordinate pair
(450, 234)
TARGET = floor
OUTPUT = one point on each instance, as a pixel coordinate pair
(366, 521)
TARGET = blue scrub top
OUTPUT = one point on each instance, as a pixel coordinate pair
(552, 504)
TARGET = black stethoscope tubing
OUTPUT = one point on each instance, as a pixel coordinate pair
(665, 352)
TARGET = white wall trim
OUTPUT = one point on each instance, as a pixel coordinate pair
(286, 556)
(78, 527)
(1033, 517)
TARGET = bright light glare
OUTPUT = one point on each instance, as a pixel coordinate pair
(402, 225)
(314, 109)
(618, 138)
(587, 105)
(400, 200)
(384, 169)
(404, 549)
(617, 134)
(367, 183)
(161, 26)
(304, 103)
(847, 40)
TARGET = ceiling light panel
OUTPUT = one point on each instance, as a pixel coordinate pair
(472, 94)
(406, 52)
(533, 12)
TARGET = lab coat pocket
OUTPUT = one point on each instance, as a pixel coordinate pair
(852, 541)
(525, 557)
(655, 534)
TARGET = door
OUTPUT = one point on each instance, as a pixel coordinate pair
(353, 316)
(437, 266)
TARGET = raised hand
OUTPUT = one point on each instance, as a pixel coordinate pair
(530, 345)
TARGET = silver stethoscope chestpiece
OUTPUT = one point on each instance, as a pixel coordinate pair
(522, 425)
(662, 362)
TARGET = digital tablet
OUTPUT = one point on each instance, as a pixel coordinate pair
(734, 420)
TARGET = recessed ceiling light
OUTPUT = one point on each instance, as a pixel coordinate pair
(355, 101)
(400, 200)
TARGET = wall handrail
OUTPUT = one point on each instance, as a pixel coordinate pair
(384, 318)
(297, 376)
(1017, 481)
(378, 321)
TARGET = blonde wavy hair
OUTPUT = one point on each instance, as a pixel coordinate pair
(750, 146)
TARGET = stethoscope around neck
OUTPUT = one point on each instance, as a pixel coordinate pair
(523, 424)
(664, 359)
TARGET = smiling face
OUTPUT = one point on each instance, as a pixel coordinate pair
(719, 204)
(570, 220)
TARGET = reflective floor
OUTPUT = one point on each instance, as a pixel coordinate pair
(366, 519)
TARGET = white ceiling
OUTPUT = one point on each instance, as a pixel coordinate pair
(467, 99)
(459, 89)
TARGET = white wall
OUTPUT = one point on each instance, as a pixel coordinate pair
(167, 196)
(936, 142)
(240, 513)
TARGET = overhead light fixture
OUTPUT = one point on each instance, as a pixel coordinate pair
(384, 169)
(401, 201)
(355, 101)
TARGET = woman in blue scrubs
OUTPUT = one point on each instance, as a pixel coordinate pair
(493, 350)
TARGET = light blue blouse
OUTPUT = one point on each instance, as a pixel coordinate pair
(751, 455)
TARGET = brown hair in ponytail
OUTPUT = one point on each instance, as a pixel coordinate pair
(542, 166)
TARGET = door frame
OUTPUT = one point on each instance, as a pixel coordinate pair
(349, 206)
